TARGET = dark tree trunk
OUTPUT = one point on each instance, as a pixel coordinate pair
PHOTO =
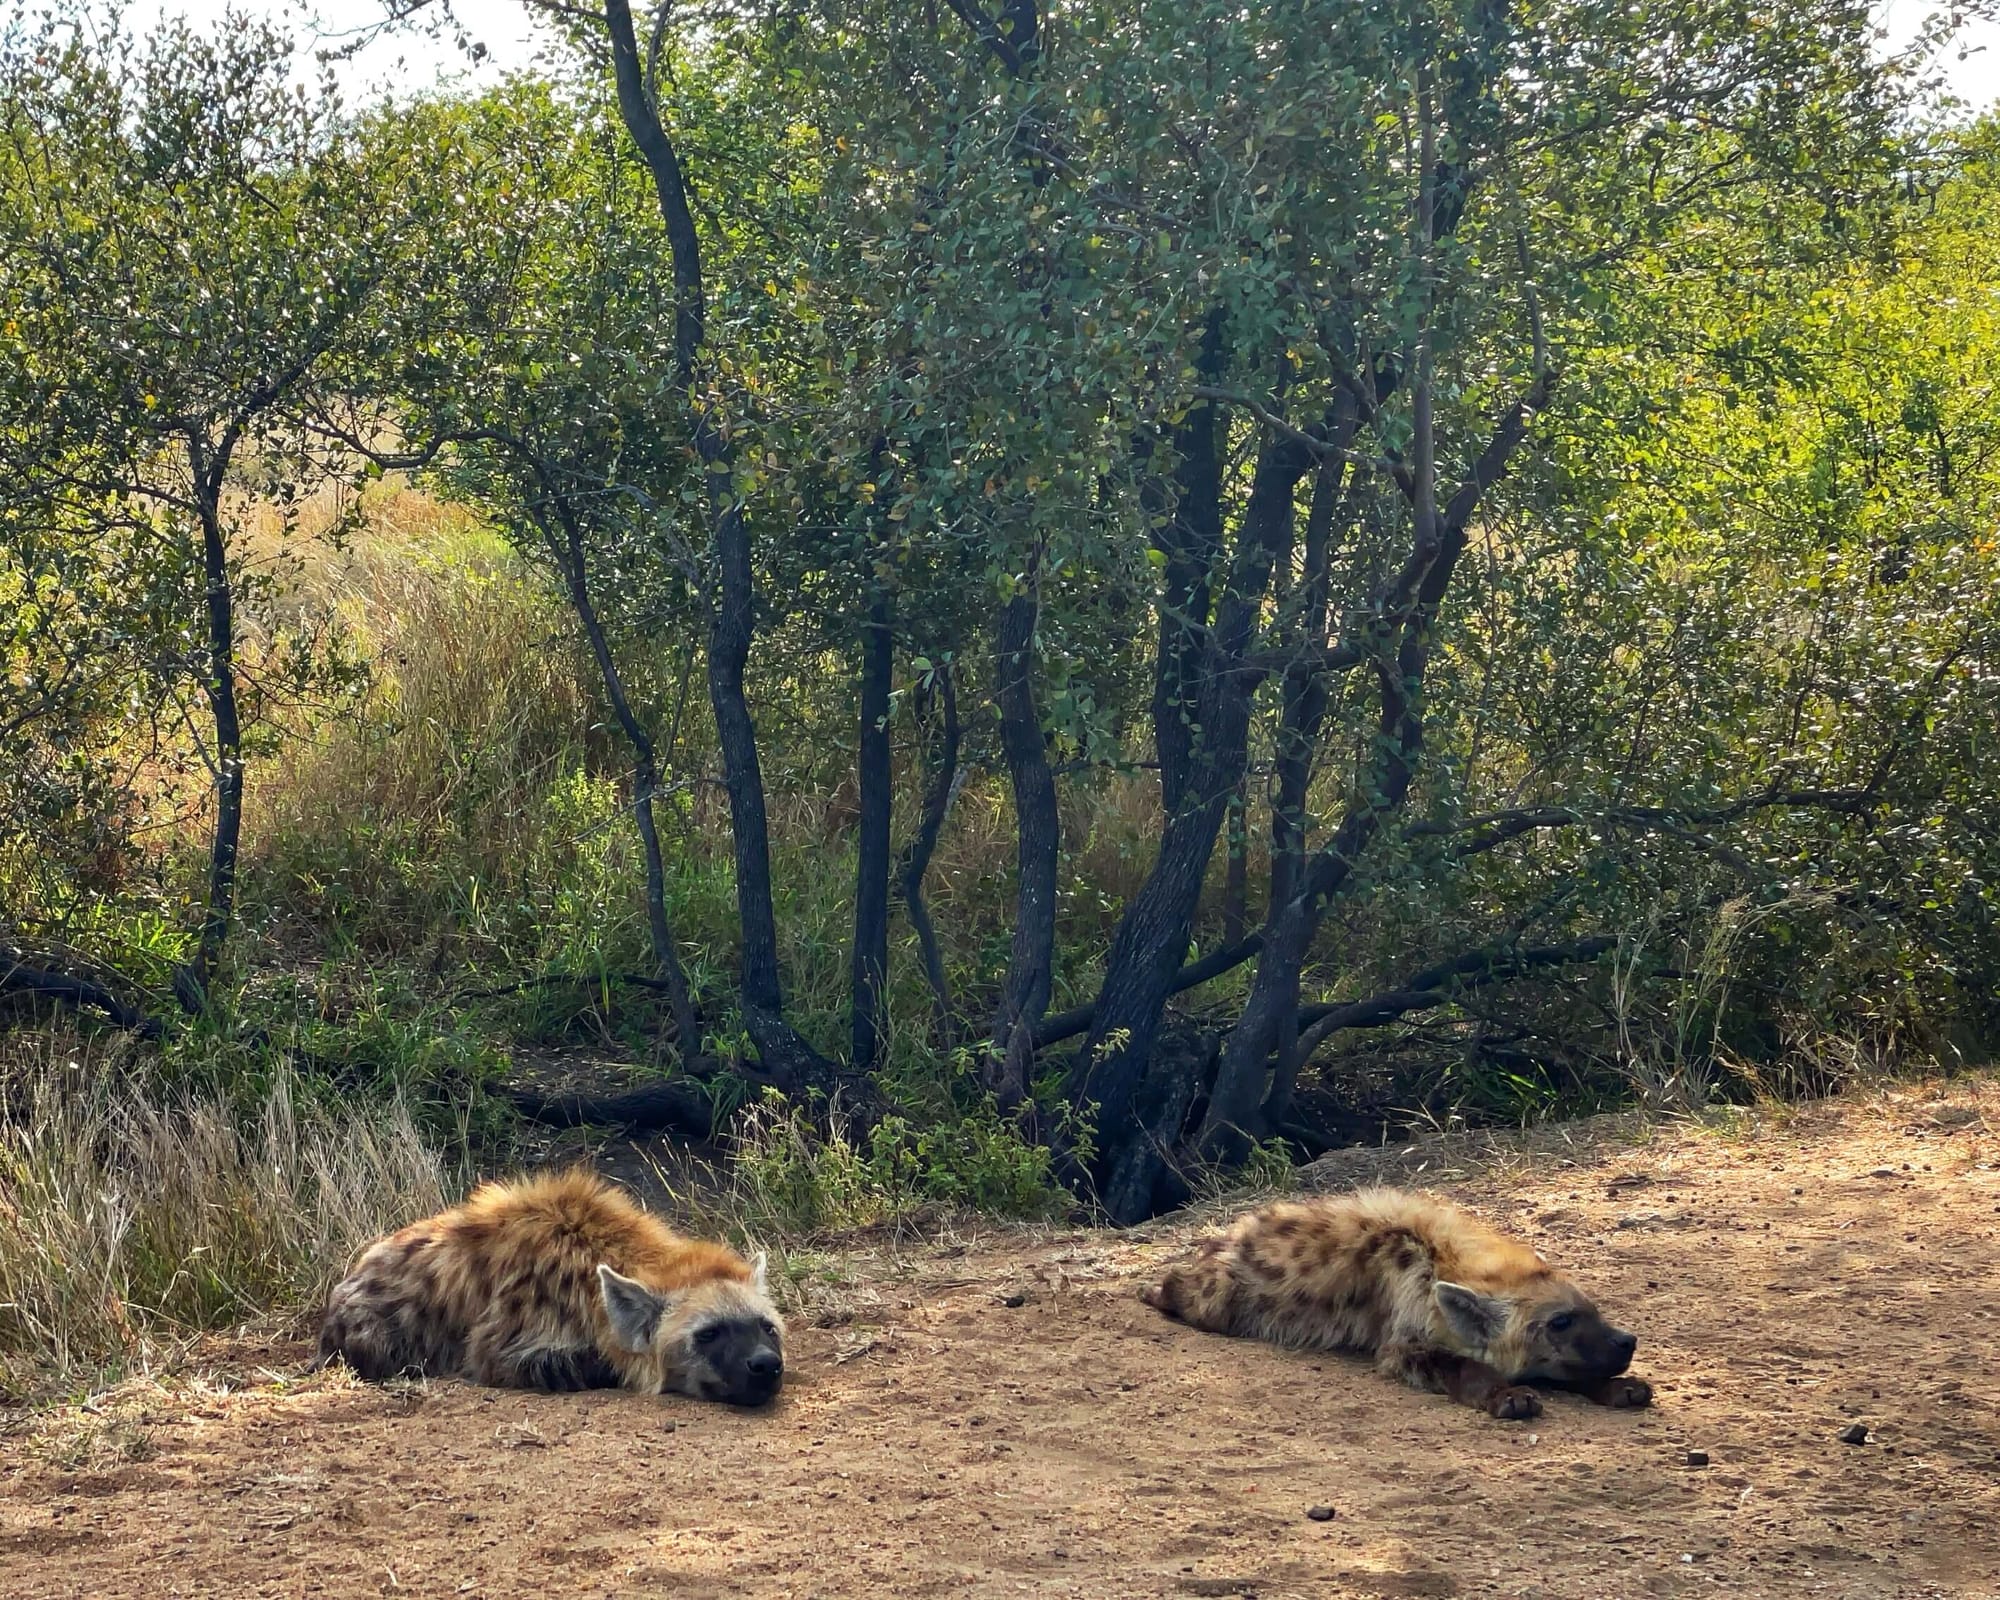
(1414, 597)
(191, 982)
(1270, 1013)
(1236, 879)
(1031, 966)
(1153, 935)
(870, 959)
(645, 780)
(938, 796)
(1304, 697)
(1302, 713)
(787, 1059)
(1187, 530)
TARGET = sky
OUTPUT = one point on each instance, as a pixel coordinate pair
(1972, 69)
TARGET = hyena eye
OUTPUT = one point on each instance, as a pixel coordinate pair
(709, 1334)
(769, 1327)
(1561, 1323)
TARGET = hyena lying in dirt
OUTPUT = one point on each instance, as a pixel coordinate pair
(1439, 1299)
(558, 1282)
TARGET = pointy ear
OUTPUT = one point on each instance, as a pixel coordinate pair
(1477, 1319)
(633, 1309)
(759, 1265)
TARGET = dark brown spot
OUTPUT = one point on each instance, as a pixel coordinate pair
(1263, 1266)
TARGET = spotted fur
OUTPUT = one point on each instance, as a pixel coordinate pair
(558, 1282)
(1441, 1301)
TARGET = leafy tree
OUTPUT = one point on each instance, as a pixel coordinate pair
(192, 249)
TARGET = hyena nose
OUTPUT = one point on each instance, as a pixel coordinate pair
(766, 1364)
(1625, 1344)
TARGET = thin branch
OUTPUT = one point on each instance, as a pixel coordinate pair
(1496, 828)
(1321, 448)
(1068, 1024)
(1436, 985)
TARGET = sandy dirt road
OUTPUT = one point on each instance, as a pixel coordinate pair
(1000, 1416)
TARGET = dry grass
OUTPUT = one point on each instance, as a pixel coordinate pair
(134, 1215)
(477, 698)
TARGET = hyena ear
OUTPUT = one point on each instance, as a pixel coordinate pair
(1476, 1318)
(634, 1310)
(759, 1265)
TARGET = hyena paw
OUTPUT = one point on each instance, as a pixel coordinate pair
(1514, 1404)
(1628, 1394)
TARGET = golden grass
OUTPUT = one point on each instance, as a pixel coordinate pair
(135, 1215)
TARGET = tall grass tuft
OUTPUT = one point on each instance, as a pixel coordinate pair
(135, 1214)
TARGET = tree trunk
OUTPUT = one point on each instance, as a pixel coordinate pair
(1030, 969)
(787, 1059)
(938, 796)
(1153, 935)
(1187, 530)
(1236, 882)
(1304, 697)
(870, 960)
(1233, 1109)
(645, 779)
(1415, 597)
(191, 982)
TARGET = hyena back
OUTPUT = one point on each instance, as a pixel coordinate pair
(558, 1282)
(1440, 1300)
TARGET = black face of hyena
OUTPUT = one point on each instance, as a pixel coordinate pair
(1572, 1343)
(737, 1359)
(1554, 1338)
(716, 1341)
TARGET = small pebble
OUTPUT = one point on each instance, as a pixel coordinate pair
(1321, 1513)
(1010, 1301)
(1857, 1434)
(1697, 1458)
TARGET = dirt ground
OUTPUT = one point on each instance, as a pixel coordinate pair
(999, 1415)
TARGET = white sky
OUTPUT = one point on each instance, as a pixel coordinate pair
(1972, 68)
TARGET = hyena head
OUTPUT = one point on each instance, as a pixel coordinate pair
(1547, 1330)
(718, 1340)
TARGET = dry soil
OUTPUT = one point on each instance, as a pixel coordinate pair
(997, 1414)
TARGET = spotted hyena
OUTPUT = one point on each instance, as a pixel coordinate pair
(1439, 1299)
(558, 1282)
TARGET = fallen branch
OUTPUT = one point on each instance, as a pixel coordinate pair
(76, 993)
(676, 1107)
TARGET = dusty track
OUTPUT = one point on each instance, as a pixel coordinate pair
(1003, 1417)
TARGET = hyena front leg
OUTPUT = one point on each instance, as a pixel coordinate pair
(1469, 1382)
(1625, 1393)
(1203, 1292)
